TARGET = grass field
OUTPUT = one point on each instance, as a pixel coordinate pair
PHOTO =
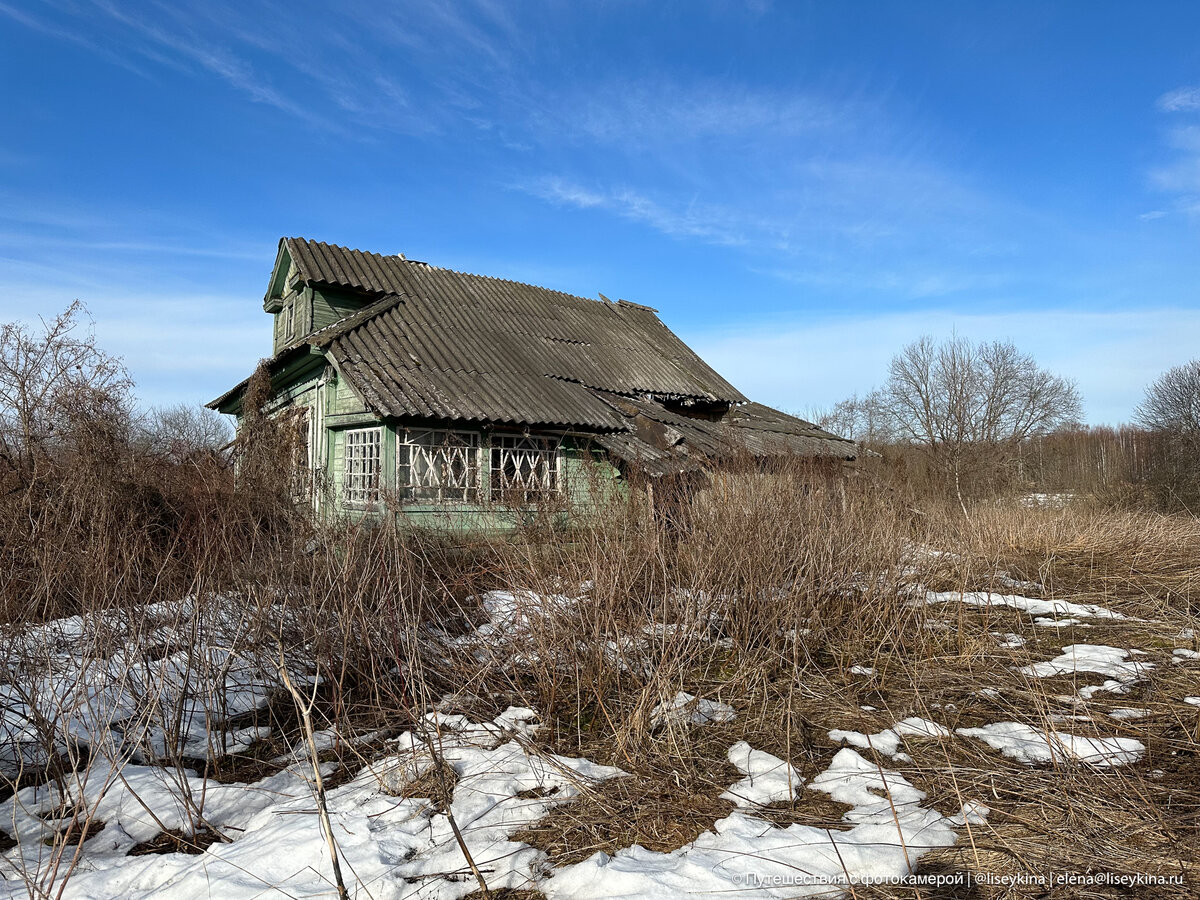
(799, 688)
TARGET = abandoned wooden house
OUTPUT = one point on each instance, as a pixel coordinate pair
(455, 397)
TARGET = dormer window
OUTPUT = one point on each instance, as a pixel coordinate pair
(289, 322)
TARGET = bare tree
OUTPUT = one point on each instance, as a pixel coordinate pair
(53, 380)
(1172, 403)
(863, 419)
(179, 432)
(1171, 409)
(970, 406)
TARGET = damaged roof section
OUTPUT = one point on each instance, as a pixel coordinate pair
(664, 442)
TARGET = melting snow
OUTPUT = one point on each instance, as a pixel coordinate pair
(745, 856)
(1032, 605)
(687, 708)
(888, 740)
(1098, 658)
(1009, 640)
(768, 778)
(1047, 622)
(1032, 745)
(388, 844)
(1126, 712)
(163, 690)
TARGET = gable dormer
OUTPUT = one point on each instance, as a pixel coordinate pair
(300, 302)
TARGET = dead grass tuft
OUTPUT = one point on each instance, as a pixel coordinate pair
(661, 811)
(178, 842)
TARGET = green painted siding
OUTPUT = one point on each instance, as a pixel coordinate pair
(587, 480)
(330, 306)
(344, 400)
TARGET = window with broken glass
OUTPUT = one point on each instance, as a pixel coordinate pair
(524, 467)
(438, 464)
(362, 466)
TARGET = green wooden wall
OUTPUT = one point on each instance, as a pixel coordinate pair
(587, 480)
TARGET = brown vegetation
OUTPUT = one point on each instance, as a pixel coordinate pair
(764, 595)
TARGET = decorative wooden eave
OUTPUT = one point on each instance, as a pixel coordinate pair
(276, 287)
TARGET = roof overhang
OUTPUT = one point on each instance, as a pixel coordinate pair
(284, 367)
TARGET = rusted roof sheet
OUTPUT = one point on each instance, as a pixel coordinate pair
(445, 343)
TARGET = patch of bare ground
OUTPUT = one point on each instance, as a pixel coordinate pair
(436, 785)
(76, 832)
(661, 811)
(178, 842)
(814, 808)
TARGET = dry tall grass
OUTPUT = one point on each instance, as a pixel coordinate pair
(762, 591)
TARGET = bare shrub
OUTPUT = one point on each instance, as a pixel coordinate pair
(55, 382)
(184, 432)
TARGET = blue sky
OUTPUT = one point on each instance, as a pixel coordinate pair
(799, 188)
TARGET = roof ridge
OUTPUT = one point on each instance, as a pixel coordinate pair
(495, 278)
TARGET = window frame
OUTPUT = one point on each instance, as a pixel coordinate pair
(501, 488)
(472, 447)
(368, 495)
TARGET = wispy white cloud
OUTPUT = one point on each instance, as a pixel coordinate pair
(1181, 99)
(910, 282)
(713, 224)
(216, 60)
(72, 35)
(1180, 175)
(636, 112)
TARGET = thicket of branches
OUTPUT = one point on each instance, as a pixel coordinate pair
(97, 498)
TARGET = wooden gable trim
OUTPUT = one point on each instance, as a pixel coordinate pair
(273, 300)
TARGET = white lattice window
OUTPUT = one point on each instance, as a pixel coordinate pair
(524, 467)
(438, 464)
(363, 466)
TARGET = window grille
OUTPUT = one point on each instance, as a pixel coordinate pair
(523, 467)
(438, 464)
(363, 464)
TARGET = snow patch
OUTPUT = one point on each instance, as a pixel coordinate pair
(745, 856)
(888, 740)
(687, 708)
(768, 778)
(1032, 605)
(1032, 745)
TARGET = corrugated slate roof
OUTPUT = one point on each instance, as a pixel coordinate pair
(437, 344)
(519, 347)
